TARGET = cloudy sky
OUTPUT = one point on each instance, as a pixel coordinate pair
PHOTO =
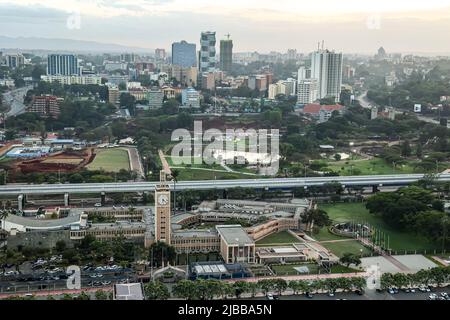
(262, 25)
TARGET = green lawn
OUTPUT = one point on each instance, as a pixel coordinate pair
(192, 174)
(110, 160)
(375, 166)
(357, 212)
(352, 246)
(283, 237)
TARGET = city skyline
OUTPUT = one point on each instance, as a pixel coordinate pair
(357, 27)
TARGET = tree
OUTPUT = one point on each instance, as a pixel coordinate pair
(316, 217)
(350, 258)
(101, 295)
(156, 290)
(60, 246)
(337, 157)
(185, 289)
(240, 287)
(406, 149)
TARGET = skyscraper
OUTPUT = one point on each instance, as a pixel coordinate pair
(207, 54)
(226, 54)
(63, 64)
(184, 54)
(326, 67)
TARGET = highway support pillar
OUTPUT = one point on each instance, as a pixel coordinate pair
(21, 199)
(375, 189)
(103, 198)
(66, 200)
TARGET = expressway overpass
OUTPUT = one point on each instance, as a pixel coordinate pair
(277, 183)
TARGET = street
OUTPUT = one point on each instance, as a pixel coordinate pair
(14, 99)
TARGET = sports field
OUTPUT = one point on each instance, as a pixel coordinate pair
(110, 160)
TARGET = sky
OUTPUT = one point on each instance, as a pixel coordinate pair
(357, 26)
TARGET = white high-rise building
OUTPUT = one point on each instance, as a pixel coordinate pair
(326, 67)
(308, 90)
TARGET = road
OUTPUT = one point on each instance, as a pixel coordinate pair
(276, 183)
(366, 103)
(368, 295)
(14, 99)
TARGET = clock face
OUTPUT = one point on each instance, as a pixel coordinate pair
(163, 199)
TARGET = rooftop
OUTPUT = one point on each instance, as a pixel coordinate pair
(234, 235)
(129, 291)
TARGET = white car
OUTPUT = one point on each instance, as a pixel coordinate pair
(433, 296)
(97, 205)
(270, 296)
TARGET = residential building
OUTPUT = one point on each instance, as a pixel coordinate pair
(207, 53)
(326, 67)
(46, 106)
(307, 91)
(113, 66)
(226, 54)
(63, 64)
(184, 54)
(190, 98)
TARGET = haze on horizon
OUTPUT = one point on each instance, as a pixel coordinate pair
(255, 25)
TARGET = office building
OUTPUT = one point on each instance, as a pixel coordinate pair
(63, 64)
(190, 98)
(160, 54)
(68, 80)
(258, 82)
(207, 53)
(14, 60)
(326, 67)
(184, 54)
(155, 98)
(128, 57)
(226, 54)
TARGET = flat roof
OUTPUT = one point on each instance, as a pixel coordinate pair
(129, 291)
(195, 233)
(39, 224)
(234, 235)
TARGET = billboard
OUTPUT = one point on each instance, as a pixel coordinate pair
(417, 108)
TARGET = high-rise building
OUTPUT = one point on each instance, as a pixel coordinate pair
(326, 67)
(63, 64)
(184, 54)
(207, 53)
(128, 57)
(307, 91)
(162, 210)
(160, 54)
(226, 54)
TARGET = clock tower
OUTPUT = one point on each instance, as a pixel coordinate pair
(162, 210)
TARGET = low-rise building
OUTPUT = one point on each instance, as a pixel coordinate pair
(190, 98)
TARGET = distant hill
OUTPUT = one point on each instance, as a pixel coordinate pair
(54, 44)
